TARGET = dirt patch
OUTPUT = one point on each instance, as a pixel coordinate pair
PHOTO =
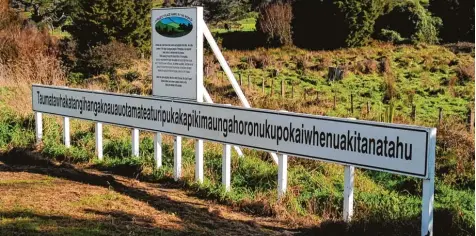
(57, 199)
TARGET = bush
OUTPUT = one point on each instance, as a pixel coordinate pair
(275, 22)
(457, 17)
(390, 36)
(107, 58)
(408, 21)
(98, 22)
(339, 23)
(27, 54)
(354, 22)
(465, 73)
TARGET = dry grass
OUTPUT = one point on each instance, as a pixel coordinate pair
(28, 55)
(57, 199)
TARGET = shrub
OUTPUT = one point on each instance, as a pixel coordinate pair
(109, 57)
(457, 17)
(98, 22)
(408, 21)
(390, 36)
(27, 54)
(132, 75)
(339, 23)
(68, 53)
(465, 72)
(390, 88)
(275, 22)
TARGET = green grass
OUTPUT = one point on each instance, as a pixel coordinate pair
(389, 204)
(248, 23)
(420, 75)
(315, 188)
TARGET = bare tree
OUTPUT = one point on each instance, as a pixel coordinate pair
(275, 22)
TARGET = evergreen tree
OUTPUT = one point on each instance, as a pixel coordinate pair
(98, 22)
(339, 23)
(458, 19)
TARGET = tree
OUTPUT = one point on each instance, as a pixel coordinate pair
(410, 21)
(99, 22)
(457, 17)
(337, 23)
(217, 10)
(53, 13)
(274, 21)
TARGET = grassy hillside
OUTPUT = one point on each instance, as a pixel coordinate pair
(390, 78)
(384, 203)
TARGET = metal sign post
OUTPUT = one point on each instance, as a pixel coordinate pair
(177, 67)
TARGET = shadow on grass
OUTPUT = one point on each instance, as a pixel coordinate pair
(21, 160)
(25, 222)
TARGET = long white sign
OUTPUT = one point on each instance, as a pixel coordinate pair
(177, 52)
(393, 148)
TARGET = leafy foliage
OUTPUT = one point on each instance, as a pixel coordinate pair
(99, 22)
(458, 19)
(341, 23)
(51, 12)
(109, 57)
(411, 21)
(217, 10)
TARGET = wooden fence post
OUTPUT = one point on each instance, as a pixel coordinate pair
(292, 91)
(368, 107)
(440, 116)
(351, 103)
(335, 102)
(272, 87)
(283, 92)
(413, 115)
(263, 84)
(249, 82)
(241, 80)
(471, 120)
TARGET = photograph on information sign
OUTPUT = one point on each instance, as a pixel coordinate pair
(197, 117)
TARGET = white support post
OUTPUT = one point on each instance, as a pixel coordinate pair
(348, 190)
(226, 167)
(348, 193)
(66, 136)
(199, 161)
(221, 59)
(158, 150)
(224, 65)
(282, 175)
(99, 140)
(177, 157)
(135, 142)
(200, 88)
(429, 189)
(38, 127)
(208, 99)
